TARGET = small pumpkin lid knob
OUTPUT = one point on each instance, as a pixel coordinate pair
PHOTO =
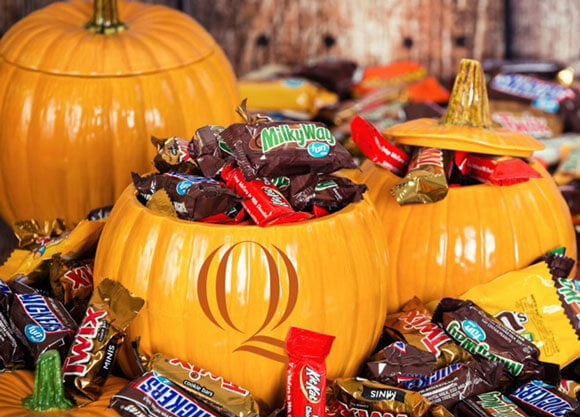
(467, 124)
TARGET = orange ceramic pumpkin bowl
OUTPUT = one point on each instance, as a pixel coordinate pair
(79, 103)
(223, 297)
(16, 385)
(476, 233)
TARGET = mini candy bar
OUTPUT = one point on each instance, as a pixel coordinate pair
(413, 325)
(359, 397)
(570, 388)
(484, 336)
(173, 155)
(33, 233)
(559, 264)
(152, 395)
(376, 147)
(539, 399)
(395, 74)
(99, 213)
(298, 190)
(495, 170)
(193, 197)
(569, 168)
(400, 362)
(492, 404)
(334, 74)
(289, 93)
(541, 68)
(334, 193)
(522, 118)
(11, 352)
(425, 181)
(41, 323)
(306, 372)
(447, 386)
(71, 279)
(533, 309)
(92, 353)
(569, 293)
(6, 296)
(224, 397)
(274, 149)
(264, 202)
(210, 151)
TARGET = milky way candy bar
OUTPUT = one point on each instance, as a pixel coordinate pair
(92, 354)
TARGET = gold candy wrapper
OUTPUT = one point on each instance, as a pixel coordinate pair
(425, 181)
(362, 398)
(570, 388)
(161, 203)
(92, 354)
(30, 233)
(413, 325)
(224, 397)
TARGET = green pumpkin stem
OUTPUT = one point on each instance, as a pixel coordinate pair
(48, 391)
(468, 105)
(105, 18)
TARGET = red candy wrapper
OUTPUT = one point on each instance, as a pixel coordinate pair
(494, 170)
(376, 147)
(264, 202)
(306, 374)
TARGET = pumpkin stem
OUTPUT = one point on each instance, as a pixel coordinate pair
(468, 105)
(48, 391)
(105, 18)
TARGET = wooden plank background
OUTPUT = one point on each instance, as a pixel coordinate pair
(437, 33)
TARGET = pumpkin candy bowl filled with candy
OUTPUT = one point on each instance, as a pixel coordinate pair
(476, 232)
(223, 296)
(75, 123)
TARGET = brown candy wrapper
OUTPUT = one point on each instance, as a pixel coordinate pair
(33, 233)
(492, 404)
(426, 181)
(173, 155)
(100, 213)
(224, 397)
(485, 336)
(210, 151)
(414, 325)
(273, 149)
(71, 279)
(363, 398)
(334, 193)
(11, 350)
(92, 355)
(539, 399)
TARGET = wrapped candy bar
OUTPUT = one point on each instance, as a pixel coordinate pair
(193, 197)
(92, 354)
(306, 372)
(173, 155)
(400, 362)
(426, 180)
(71, 279)
(492, 404)
(273, 149)
(210, 151)
(539, 399)
(298, 190)
(495, 170)
(333, 193)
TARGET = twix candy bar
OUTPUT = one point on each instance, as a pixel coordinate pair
(92, 355)
(306, 372)
(224, 397)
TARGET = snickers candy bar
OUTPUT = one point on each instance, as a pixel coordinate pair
(152, 395)
(41, 323)
(413, 325)
(273, 149)
(210, 151)
(400, 362)
(539, 399)
(173, 155)
(489, 404)
(224, 397)
(193, 197)
(92, 354)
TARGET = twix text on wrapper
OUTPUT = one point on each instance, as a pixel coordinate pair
(306, 372)
(224, 397)
(92, 355)
(426, 181)
(414, 326)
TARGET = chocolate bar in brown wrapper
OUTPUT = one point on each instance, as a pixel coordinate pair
(399, 359)
(210, 151)
(173, 155)
(492, 404)
(92, 354)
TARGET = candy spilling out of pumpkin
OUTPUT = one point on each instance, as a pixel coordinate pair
(473, 233)
(75, 123)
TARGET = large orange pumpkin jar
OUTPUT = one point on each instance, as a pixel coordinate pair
(476, 233)
(82, 88)
(223, 297)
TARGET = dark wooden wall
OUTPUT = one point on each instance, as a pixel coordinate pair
(437, 33)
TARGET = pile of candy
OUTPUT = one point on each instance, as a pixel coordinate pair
(273, 172)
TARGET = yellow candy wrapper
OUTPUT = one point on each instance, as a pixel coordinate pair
(82, 239)
(293, 94)
(530, 302)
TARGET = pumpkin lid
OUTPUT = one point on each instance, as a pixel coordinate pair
(466, 125)
(54, 40)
